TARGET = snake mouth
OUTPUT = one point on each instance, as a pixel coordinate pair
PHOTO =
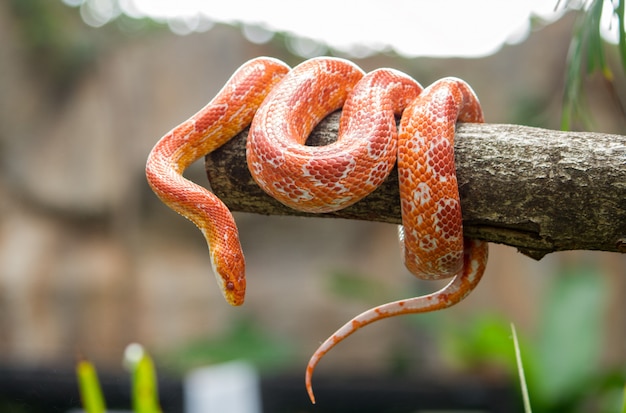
(235, 299)
(234, 293)
(232, 282)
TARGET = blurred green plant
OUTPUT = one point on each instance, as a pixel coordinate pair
(563, 360)
(60, 48)
(242, 341)
(144, 392)
(89, 387)
(352, 285)
(586, 56)
(520, 371)
(57, 45)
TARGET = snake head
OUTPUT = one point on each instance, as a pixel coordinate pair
(230, 272)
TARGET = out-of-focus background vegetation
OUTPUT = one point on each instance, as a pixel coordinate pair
(90, 260)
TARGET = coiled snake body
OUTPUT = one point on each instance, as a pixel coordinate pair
(282, 106)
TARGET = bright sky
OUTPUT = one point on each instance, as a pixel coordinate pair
(469, 28)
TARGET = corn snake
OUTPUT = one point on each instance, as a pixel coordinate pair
(282, 106)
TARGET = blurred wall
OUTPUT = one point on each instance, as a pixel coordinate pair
(90, 260)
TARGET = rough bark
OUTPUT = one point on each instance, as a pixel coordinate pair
(535, 189)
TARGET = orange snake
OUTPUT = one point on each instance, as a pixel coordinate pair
(282, 107)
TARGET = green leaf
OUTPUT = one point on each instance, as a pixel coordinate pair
(586, 56)
(520, 370)
(89, 387)
(619, 11)
(144, 386)
(569, 346)
(596, 58)
(573, 78)
(485, 339)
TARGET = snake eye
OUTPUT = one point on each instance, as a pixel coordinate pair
(230, 286)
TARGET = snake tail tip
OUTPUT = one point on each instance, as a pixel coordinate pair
(309, 389)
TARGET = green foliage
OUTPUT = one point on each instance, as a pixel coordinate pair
(484, 340)
(59, 47)
(355, 286)
(520, 371)
(242, 341)
(619, 12)
(89, 387)
(587, 56)
(570, 335)
(144, 391)
(562, 360)
(55, 41)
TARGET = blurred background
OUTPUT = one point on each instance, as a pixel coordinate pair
(91, 261)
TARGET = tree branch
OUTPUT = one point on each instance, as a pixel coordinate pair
(535, 189)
